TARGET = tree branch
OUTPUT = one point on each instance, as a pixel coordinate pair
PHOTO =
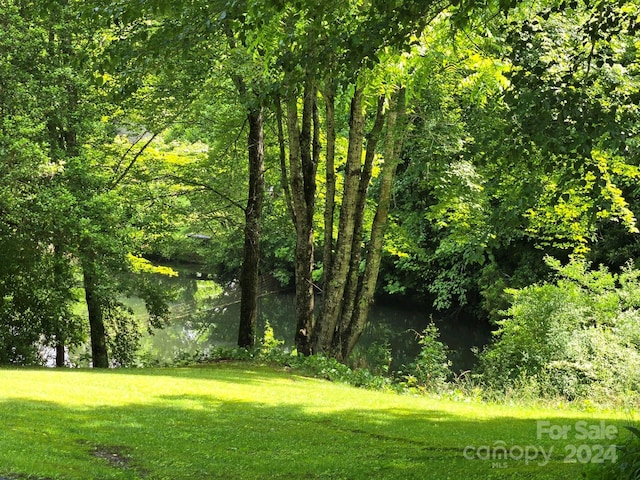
(115, 182)
(204, 186)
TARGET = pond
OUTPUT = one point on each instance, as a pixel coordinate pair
(205, 314)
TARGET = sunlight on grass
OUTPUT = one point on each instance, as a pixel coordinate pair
(234, 421)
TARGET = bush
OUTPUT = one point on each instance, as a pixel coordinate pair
(575, 338)
(376, 358)
(431, 369)
(270, 348)
(331, 369)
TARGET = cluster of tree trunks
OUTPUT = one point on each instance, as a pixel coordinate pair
(347, 290)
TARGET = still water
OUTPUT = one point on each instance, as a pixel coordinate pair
(205, 314)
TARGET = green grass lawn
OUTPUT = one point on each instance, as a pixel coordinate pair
(235, 421)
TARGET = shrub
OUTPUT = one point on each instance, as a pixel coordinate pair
(431, 369)
(376, 358)
(270, 348)
(331, 369)
(576, 337)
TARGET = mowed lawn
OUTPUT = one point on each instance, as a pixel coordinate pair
(237, 421)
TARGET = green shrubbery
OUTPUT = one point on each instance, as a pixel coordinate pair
(578, 337)
(428, 372)
(431, 369)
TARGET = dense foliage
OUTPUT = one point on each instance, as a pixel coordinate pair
(433, 151)
(576, 337)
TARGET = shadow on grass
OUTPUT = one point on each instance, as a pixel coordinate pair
(201, 437)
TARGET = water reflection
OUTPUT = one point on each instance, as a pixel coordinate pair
(205, 314)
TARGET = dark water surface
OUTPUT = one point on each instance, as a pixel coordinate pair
(205, 314)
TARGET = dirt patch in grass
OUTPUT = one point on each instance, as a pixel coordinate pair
(115, 456)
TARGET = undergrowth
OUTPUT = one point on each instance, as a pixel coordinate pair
(429, 373)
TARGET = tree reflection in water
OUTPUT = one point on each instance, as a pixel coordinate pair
(205, 314)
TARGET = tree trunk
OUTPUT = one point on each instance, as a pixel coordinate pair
(249, 277)
(393, 145)
(353, 277)
(302, 166)
(60, 353)
(284, 176)
(99, 353)
(250, 265)
(330, 193)
(335, 285)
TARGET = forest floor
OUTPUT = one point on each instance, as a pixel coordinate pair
(241, 421)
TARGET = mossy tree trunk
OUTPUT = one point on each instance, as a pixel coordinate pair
(353, 326)
(336, 280)
(303, 164)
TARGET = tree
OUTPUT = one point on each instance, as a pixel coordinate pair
(79, 220)
(249, 279)
(333, 60)
(584, 119)
(537, 165)
(195, 42)
(37, 280)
